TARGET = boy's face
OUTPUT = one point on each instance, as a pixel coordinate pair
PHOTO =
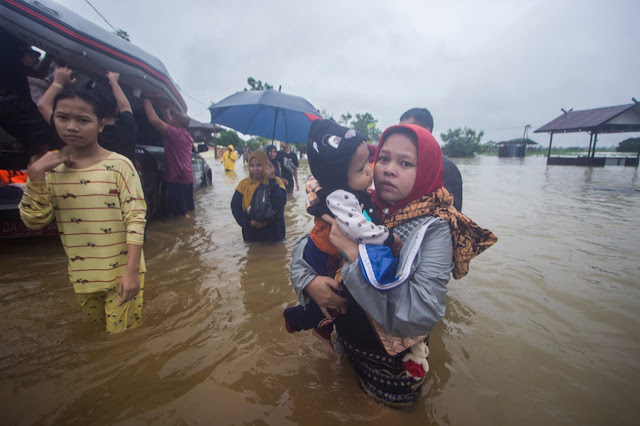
(77, 123)
(360, 174)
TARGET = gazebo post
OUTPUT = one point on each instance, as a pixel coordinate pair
(595, 141)
(550, 141)
(590, 141)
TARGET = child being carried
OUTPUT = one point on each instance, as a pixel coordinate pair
(342, 174)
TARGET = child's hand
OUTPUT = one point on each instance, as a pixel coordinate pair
(271, 171)
(129, 287)
(258, 225)
(397, 246)
(46, 163)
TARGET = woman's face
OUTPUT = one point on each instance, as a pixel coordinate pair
(395, 171)
(272, 154)
(255, 169)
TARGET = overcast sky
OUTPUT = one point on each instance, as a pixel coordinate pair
(492, 65)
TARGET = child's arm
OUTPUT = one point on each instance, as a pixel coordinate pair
(153, 118)
(234, 156)
(353, 224)
(134, 211)
(36, 206)
(130, 282)
(121, 98)
(61, 78)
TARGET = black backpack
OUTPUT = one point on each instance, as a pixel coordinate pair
(260, 209)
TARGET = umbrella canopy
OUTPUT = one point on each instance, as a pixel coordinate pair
(267, 113)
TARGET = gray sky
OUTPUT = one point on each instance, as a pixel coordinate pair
(493, 65)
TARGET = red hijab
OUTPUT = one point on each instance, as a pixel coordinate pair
(428, 173)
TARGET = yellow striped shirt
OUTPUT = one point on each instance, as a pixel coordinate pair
(98, 210)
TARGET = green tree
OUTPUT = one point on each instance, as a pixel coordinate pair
(229, 137)
(257, 84)
(363, 123)
(629, 145)
(461, 142)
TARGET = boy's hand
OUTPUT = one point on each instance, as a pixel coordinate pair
(129, 287)
(46, 163)
(112, 77)
(397, 246)
(258, 225)
(62, 76)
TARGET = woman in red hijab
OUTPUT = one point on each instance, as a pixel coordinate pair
(385, 333)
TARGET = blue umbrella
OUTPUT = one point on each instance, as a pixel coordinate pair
(267, 113)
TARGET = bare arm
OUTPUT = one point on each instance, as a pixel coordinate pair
(121, 98)
(130, 281)
(153, 118)
(61, 78)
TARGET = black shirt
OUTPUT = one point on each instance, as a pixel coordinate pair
(122, 136)
(13, 73)
(286, 174)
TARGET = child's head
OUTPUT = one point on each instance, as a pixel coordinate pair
(332, 149)
(78, 117)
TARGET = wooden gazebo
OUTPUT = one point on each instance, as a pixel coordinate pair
(614, 119)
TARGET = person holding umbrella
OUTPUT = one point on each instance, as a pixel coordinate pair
(229, 159)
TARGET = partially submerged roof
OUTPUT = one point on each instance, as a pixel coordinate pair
(518, 141)
(613, 119)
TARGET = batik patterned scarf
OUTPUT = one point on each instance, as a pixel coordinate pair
(469, 239)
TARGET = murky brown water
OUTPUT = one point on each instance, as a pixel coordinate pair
(544, 330)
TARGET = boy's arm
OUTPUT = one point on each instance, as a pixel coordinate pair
(353, 224)
(121, 98)
(153, 118)
(295, 171)
(61, 78)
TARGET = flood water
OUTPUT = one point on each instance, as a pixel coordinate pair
(545, 329)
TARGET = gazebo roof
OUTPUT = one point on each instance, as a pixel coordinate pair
(613, 119)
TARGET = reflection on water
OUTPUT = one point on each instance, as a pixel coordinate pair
(545, 329)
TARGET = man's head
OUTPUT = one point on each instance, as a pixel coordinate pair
(285, 146)
(179, 119)
(419, 116)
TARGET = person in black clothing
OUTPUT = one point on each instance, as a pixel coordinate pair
(451, 177)
(18, 114)
(288, 166)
